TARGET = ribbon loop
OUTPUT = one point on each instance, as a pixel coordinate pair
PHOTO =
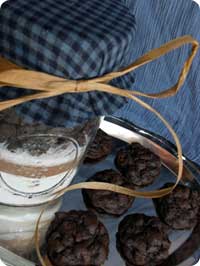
(14, 76)
(153, 55)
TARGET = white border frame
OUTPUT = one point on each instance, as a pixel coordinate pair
(1, 263)
(197, 1)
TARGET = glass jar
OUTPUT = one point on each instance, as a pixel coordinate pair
(18, 227)
(37, 160)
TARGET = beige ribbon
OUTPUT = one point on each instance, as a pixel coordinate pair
(47, 86)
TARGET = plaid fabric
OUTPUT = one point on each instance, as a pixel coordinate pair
(74, 39)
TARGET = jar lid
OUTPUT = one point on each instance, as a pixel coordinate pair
(73, 39)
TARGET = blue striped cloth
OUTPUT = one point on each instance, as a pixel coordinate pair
(157, 23)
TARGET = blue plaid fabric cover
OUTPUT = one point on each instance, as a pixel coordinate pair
(74, 39)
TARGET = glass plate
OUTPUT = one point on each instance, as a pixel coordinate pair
(185, 247)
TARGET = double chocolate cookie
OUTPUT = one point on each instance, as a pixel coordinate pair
(99, 148)
(142, 240)
(77, 238)
(180, 208)
(138, 164)
(108, 202)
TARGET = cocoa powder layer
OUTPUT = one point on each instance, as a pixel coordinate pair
(33, 171)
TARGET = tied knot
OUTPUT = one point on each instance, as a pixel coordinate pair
(48, 85)
(80, 85)
(61, 86)
(77, 86)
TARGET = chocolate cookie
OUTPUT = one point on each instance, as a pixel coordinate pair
(138, 164)
(142, 240)
(180, 208)
(77, 238)
(99, 148)
(105, 201)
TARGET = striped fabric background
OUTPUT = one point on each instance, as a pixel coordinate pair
(159, 22)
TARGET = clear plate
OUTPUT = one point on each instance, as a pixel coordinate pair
(185, 247)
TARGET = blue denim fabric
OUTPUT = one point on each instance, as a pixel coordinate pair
(157, 23)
